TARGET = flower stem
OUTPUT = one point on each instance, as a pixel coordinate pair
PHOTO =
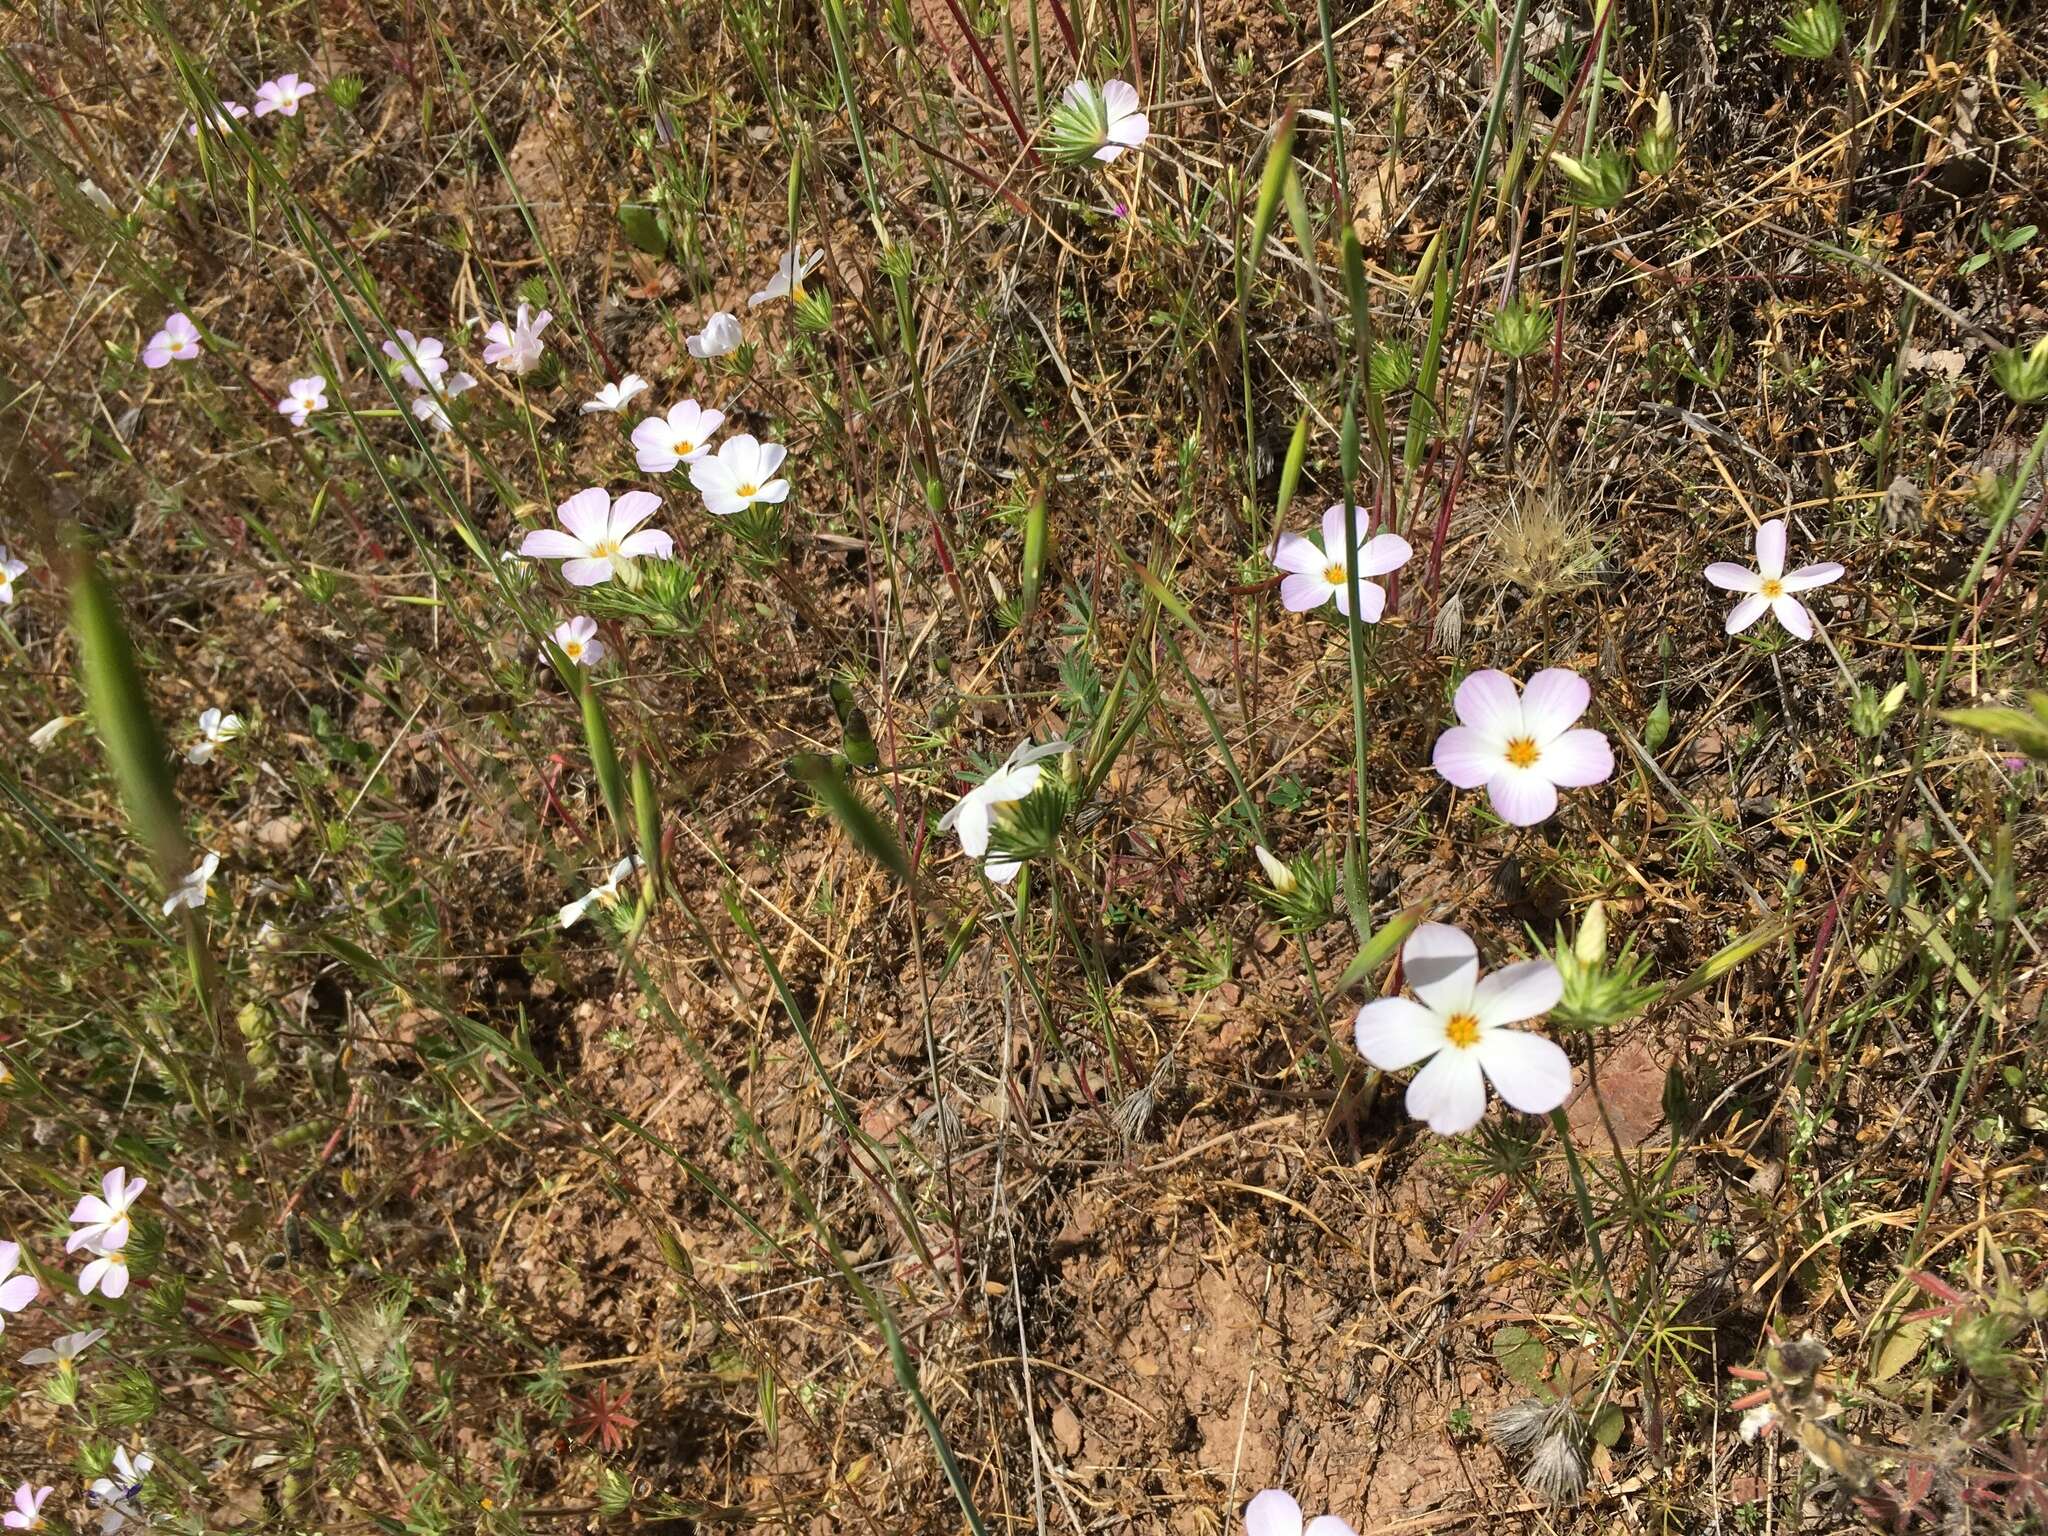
(1585, 1204)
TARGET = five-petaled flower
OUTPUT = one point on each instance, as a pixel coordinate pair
(612, 398)
(1770, 585)
(973, 814)
(193, 888)
(600, 535)
(788, 281)
(215, 730)
(10, 568)
(64, 1348)
(282, 95)
(117, 1494)
(432, 407)
(605, 894)
(302, 398)
(721, 333)
(102, 1219)
(1522, 747)
(660, 443)
(577, 640)
(1276, 1512)
(517, 347)
(419, 358)
(16, 1291)
(1459, 1030)
(27, 1514)
(1112, 114)
(177, 342)
(1317, 576)
(740, 475)
(221, 121)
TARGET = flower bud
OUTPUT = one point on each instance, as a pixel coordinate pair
(1600, 180)
(2023, 375)
(1591, 944)
(1657, 150)
(1521, 328)
(1281, 877)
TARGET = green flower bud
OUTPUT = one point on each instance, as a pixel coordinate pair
(2023, 375)
(1600, 180)
(1521, 329)
(1657, 150)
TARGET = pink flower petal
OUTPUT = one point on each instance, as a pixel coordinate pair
(1521, 796)
(1746, 613)
(1298, 556)
(550, 544)
(1463, 756)
(1733, 578)
(586, 572)
(1770, 547)
(1554, 699)
(1488, 702)
(1578, 758)
(1807, 577)
(1791, 613)
(1298, 594)
(587, 515)
(648, 543)
(1384, 552)
(1272, 1513)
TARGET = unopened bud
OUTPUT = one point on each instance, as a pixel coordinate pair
(1591, 945)
(1281, 877)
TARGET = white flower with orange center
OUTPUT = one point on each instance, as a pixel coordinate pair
(1317, 576)
(741, 475)
(1458, 1026)
(1770, 586)
(577, 639)
(1522, 746)
(683, 436)
(600, 536)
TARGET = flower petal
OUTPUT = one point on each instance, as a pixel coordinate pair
(550, 544)
(773, 491)
(973, 825)
(632, 509)
(1521, 796)
(587, 514)
(1770, 548)
(1553, 700)
(1120, 96)
(1396, 1032)
(1513, 993)
(1381, 553)
(1272, 1513)
(1449, 1094)
(1441, 965)
(1531, 1073)
(1329, 1525)
(1298, 594)
(1730, 577)
(1488, 702)
(1578, 758)
(1746, 613)
(18, 1293)
(1333, 528)
(769, 459)
(1372, 602)
(1298, 556)
(1462, 755)
(1791, 613)
(586, 572)
(1807, 577)
(648, 542)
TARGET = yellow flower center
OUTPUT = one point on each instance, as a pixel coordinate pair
(605, 549)
(1773, 589)
(573, 650)
(746, 489)
(1333, 573)
(1522, 752)
(1462, 1030)
(684, 447)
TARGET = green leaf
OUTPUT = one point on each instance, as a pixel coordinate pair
(2026, 730)
(1520, 1354)
(1379, 949)
(1607, 1425)
(641, 225)
(852, 813)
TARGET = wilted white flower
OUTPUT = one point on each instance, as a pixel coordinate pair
(740, 475)
(598, 536)
(721, 333)
(517, 348)
(282, 95)
(973, 814)
(118, 1494)
(303, 397)
(41, 737)
(790, 272)
(682, 437)
(192, 890)
(177, 342)
(1770, 586)
(612, 398)
(1460, 1030)
(432, 408)
(65, 1347)
(10, 568)
(215, 730)
(605, 894)
(577, 639)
